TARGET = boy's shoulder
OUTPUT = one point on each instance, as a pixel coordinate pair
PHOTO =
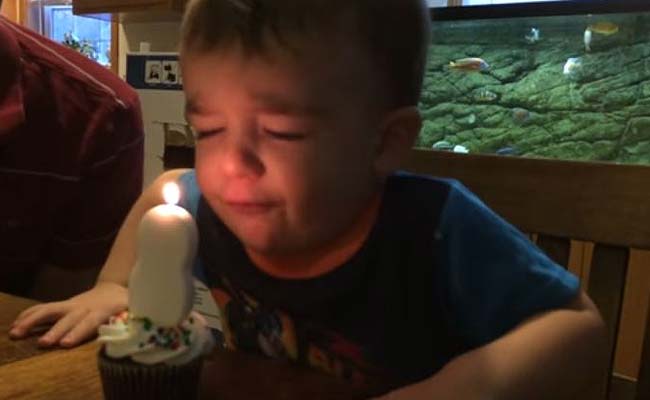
(417, 185)
(403, 177)
(190, 192)
(422, 193)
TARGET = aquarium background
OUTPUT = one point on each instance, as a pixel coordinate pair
(527, 103)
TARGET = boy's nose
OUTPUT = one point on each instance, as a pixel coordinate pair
(240, 158)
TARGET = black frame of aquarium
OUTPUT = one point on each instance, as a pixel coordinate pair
(538, 9)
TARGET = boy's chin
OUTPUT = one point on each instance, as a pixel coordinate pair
(260, 245)
(265, 249)
(270, 249)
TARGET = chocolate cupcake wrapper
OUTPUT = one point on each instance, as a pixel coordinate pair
(123, 379)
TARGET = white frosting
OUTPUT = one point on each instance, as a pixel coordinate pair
(146, 343)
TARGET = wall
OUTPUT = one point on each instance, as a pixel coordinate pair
(482, 2)
(162, 37)
(9, 9)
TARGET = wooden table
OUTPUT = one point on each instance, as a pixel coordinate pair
(28, 372)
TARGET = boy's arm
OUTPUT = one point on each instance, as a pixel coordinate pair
(77, 318)
(553, 355)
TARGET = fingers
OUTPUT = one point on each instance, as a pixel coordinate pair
(63, 326)
(75, 320)
(31, 318)
(28, 311)
(85, 329)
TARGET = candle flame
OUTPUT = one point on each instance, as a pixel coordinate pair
(171, 193)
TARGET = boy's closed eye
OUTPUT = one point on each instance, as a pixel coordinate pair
(208, 133)
(288, 136)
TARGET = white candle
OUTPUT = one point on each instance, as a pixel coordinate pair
(161, 283)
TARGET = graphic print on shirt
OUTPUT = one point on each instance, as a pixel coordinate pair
(249, 327)
(252, 327)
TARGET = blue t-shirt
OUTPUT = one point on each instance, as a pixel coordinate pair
(439, 275)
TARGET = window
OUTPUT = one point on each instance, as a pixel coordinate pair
(482, 2)
(452, 3)
(437, 3)
(54, 19)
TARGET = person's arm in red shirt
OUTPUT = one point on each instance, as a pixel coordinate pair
(77, 318)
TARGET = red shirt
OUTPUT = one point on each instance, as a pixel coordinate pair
(71, 155)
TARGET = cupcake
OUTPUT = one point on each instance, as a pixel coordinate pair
(155, 349)
(142, 360)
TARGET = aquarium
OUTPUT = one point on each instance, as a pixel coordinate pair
(562, 79)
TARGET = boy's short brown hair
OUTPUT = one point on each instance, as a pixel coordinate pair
(395, 32)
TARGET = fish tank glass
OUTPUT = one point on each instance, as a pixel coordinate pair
(561, 79)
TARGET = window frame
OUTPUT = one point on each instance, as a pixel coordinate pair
(115, 43)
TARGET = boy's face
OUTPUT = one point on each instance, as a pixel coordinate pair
(287, 145)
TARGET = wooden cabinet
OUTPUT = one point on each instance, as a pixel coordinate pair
(131, 10)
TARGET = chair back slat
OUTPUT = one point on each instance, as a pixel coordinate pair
(643, 381)
(606, 288)
(557, 248)
(593, 202)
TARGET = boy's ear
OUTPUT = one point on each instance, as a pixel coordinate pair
(397, 134)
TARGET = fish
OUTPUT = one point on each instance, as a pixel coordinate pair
(520, 115)
(533, 36)
(507, 151)
(587, 40)
(472, 64)
(603, 28)
(572, 65)
(442, 145)
(460, 149)
(485, 96)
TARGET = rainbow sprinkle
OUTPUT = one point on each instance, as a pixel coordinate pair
(166, 337)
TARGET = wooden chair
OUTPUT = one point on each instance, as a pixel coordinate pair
(606, 204)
